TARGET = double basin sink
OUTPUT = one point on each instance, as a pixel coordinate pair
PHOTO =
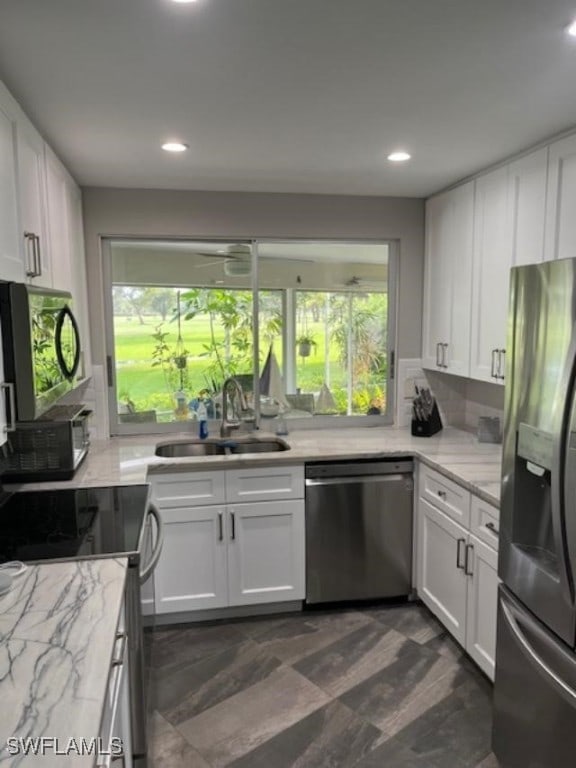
(225, 446)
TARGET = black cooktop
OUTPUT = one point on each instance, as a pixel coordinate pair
(61, 524)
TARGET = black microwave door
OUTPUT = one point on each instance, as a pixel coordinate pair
(67, 343)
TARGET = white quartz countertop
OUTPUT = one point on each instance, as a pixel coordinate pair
(57, 635)
(458, 454)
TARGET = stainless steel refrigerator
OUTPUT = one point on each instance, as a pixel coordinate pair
(535, 686)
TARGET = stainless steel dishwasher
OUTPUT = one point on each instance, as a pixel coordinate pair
(358, 530)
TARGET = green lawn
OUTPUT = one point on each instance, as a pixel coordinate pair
(147, 386)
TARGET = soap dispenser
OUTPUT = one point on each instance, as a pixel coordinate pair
(202, 421)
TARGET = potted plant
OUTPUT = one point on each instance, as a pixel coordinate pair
(305, 342)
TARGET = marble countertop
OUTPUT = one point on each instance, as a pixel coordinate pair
(458, 454)
(57, 636)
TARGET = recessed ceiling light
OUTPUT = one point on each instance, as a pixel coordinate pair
(572, 29)
(174, 146)
(399, 157)
(184, 1)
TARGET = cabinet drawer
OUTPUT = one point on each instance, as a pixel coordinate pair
(188, 489)
(268, 483)
(484, 521)
(446, 495)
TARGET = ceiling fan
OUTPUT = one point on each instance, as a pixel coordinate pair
(363, 282)
(238, 259)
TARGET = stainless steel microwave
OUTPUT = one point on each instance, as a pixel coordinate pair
(41, 346)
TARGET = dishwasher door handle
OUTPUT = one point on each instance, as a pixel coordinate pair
(357, 479)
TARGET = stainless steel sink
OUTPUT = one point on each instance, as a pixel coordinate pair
(220, 447)
(256, 444)
(192, 447)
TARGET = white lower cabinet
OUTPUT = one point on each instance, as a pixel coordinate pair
(191, 574)
(482, 603)
(443, 585)
(221, 555)
(266, 552)
(457, 575)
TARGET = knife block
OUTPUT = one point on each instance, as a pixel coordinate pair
(428, 427)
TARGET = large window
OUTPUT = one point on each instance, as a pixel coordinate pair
(182, 320)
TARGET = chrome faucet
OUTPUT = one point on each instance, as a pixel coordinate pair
(232, 389)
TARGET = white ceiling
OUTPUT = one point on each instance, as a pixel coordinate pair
(290, 95)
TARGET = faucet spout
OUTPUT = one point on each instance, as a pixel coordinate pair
(232, 394)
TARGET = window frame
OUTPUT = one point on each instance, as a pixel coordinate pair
(116, 428)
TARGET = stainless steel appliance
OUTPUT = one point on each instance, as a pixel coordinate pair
(50, 448)
(41, 346)
(535, 686)
(358, 530)
(92, 522)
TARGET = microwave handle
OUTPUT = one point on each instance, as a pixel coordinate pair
(146, 572)
(9, 387)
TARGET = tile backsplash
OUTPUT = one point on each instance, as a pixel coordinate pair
(460, 401)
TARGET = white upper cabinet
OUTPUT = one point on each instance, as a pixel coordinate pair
(527, 207)
(448, 280)
(11, 264)
(57, 180)
(32, 198)
(490, 277)
(560, 242)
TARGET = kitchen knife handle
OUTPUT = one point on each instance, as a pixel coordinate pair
(459, 563)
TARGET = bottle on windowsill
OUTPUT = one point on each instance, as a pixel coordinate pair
(202, 421)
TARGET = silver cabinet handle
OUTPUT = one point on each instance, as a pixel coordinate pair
(119, 657)
(220, 527)
(492, 528)
(469, 548)
(501, 363)
(459, 563)
(493, 365)
(11, 423)
(444, 350)
(32, 266)
(438, 346)
(38, 258)
(232, 525)
(145, 572)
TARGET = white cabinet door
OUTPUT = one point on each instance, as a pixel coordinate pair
(492, 260)
(192, 571)
(11, 264)
(527, 207)
(266, 552)
(436, 317)
(448, 280)
(443, 585)
(482, 565)
(560, 236)
(57, 181)
(457, 356)
(32, 196)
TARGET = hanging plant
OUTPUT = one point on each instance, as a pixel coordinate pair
(305, 344)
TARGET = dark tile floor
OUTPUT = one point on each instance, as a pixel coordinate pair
(382, 687)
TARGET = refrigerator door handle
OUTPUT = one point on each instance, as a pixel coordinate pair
(560, 685)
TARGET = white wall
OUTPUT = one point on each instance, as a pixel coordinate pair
(143, 212)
